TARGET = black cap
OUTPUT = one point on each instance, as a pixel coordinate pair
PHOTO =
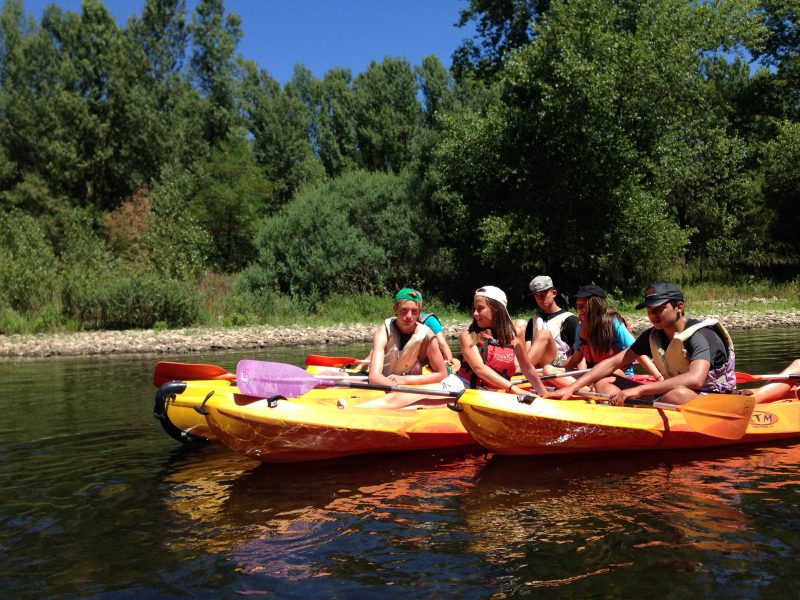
(659, 293)
(587, 291)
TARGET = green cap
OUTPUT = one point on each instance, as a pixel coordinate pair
(408, 294)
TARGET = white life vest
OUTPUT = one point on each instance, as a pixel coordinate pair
(673, 360)
(409, 359)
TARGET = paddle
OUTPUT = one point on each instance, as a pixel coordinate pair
(747, 378)
(556, 375)
(168, 371)
(724, 416)
(332, 361)
(267, 379)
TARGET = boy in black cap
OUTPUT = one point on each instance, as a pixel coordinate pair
(693, 356)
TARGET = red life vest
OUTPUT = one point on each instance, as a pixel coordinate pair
(592, 357)
(498, 357)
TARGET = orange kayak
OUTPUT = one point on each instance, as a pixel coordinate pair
(569, 426)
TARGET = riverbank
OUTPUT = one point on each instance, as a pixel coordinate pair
(184, 341)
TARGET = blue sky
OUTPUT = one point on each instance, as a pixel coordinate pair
(322, 34)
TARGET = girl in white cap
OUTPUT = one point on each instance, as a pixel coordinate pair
(491, 343)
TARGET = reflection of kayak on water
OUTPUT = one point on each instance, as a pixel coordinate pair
(586, 515)
(276, 518)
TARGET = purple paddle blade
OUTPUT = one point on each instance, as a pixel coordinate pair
(264, 379)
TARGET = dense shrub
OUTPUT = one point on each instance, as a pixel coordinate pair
(136, 300)
(362, 232)
(177, 245)
(28, 267)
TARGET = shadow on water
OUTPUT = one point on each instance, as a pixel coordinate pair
(582, 525)
(357, 524)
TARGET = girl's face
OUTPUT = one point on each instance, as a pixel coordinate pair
(407, 313)
(580, 307)
(482, 313)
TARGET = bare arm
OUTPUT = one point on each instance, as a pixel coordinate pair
(447, 353)
(602, 369)
(436, 362)
(379, 341)
(573, 361)
(650, 367)
(528, 369)
(694, 378)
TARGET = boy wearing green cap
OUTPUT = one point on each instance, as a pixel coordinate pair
(402, 345)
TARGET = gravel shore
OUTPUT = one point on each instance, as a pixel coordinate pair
(179, 341)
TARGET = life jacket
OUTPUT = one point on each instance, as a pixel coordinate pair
(563, 347)
(424, 320)
(674, 360)
(408, 358)
(498, 357)
(592, 357)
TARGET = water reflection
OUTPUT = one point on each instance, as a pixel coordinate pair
(96, 500)
(585, 524)
(274, 519)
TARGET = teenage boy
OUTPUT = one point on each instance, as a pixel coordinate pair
(693, 356)
(558, 322)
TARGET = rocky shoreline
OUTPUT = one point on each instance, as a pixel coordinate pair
(179, 341)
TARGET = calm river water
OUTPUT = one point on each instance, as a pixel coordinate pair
(98, 502)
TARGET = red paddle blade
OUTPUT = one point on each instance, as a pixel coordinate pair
(168, 371)
(330, 361)
(746, 377)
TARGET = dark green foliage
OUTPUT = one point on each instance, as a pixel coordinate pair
(782, 186)
(28, 267)
(177, 245)
(136, 300)
(359, 233)
(279, 122)
(231, 197)
(502, 26)
(388, 115)
(596, 140)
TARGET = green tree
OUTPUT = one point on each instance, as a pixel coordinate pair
(587, 109)
(502, 26)
(335, 123)
(215, 66)
(232, 197)
(388, 115)
(782, 187)
(361, 232)
(279, 122)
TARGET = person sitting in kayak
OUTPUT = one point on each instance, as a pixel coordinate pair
(780, 389)
(432, 321)
(602, 333)
(402, 345)
(550, 335)
(490, 345)
(693, 356)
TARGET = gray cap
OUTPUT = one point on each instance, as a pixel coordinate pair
(540, 283)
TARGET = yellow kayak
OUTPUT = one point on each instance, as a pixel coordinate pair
(569, 426)
(309, 427)
(314, 427)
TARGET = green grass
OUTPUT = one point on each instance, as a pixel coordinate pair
(221, 306)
